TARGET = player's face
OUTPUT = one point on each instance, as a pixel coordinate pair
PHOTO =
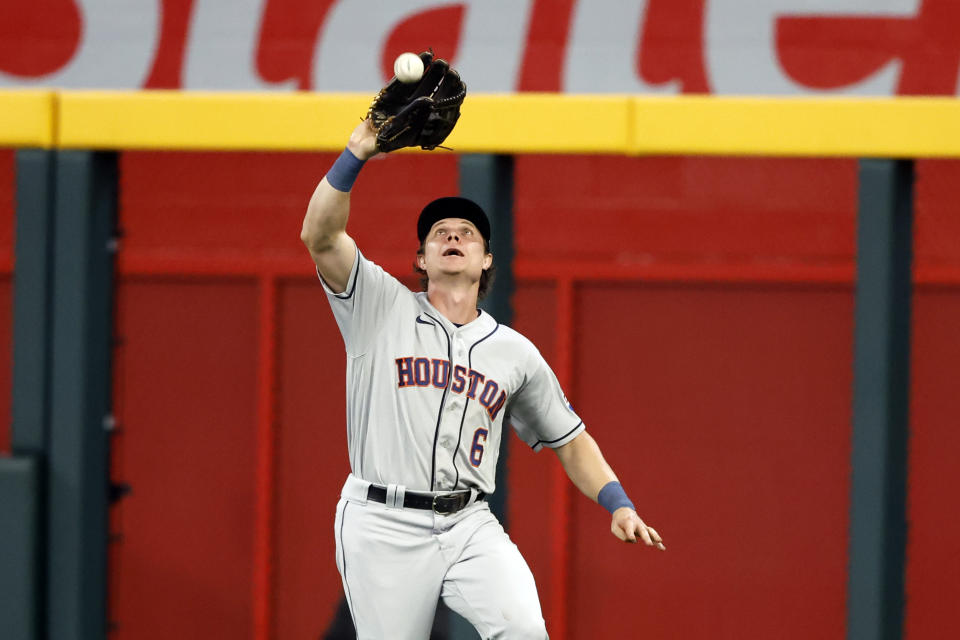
(454, 246)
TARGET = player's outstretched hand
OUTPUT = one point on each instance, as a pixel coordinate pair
(363, 141)
(628, 526)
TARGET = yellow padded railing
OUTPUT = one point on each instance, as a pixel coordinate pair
(863, 127)
(515, 123)
(27, 119)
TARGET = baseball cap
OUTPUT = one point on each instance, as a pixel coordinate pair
(452, 207)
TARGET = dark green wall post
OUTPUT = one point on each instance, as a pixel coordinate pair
(85, 215)
(32, 299)
(22, 477)
(488, 181)
(878, 525)
(20, 548)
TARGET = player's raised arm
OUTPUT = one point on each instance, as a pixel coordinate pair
(324, 225)
(582, 460)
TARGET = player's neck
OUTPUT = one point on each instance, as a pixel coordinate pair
(457, 304)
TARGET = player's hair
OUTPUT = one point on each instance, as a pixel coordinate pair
(486, 278)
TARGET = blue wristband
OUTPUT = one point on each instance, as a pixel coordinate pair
(344, 171)
(613, 497)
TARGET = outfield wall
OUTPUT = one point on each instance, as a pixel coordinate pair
(699, 311)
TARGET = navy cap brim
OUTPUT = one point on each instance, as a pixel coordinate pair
(452, 207)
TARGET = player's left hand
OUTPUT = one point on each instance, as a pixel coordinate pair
(628, 526)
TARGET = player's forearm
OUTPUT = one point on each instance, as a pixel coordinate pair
(326, 217)
(585, 466)
(329, 208)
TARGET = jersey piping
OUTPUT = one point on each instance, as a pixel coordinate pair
(443, 401)
(343, 560)
(539, 442)
(466, 405)
(353, 286)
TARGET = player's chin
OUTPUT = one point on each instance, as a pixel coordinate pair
(460, 269)
(450, 271)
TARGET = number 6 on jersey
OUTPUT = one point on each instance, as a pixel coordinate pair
(476, 451)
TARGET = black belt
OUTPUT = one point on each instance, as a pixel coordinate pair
(443, 504)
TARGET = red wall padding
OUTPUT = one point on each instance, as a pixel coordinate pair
(312, 460)
(185, 400)
(243, 206)
(725, 408)
(937, 214)
(531, 496)
(685, 210)
(933, 547)
(7, 194)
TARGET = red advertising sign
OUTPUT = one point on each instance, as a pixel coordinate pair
(854, 47)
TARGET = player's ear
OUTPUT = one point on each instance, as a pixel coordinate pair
(421, 262)
(487, 261)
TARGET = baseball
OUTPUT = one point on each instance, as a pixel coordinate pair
(408, 67)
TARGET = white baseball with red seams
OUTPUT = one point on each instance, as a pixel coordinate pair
(427, 402)
(408, 67)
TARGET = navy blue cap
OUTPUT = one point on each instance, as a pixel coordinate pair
(452, 207)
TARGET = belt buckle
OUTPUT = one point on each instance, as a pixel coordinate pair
(439, 511)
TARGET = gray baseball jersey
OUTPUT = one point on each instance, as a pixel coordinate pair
(426, 399)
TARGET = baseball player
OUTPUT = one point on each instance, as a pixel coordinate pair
(431, 383)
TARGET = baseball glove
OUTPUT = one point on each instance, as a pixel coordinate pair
(419, 114)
